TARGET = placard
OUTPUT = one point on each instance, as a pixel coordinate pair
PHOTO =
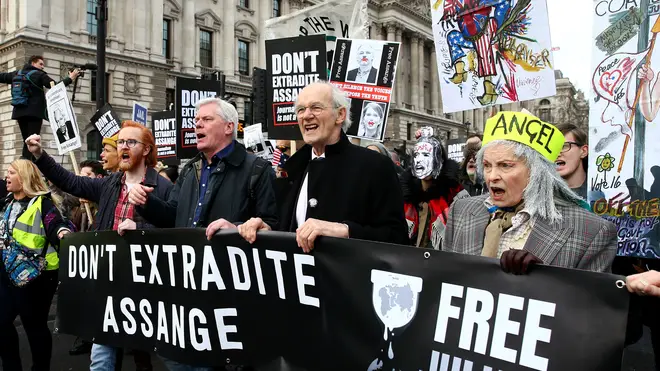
(139, 113)
(291, 64)
(366, 70)
(455, 149)
(165, 133)
(188, 93)
(107, 122)
(62, 119)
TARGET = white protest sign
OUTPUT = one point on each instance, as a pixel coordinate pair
(62, 119)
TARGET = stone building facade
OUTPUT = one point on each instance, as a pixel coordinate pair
(151, 42)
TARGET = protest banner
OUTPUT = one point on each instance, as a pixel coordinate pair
(624, 176)
(209, 303)
(331, 18)
(455, 149)
(107, 122)
(139, 114)
(62, 119)
(188, 93)
(291, 64)
(491, 53)
(253, 139)
(164, 129)
(365, 70)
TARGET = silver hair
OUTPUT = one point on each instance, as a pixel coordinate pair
(224, 109)
(544, 184)
(339, 100)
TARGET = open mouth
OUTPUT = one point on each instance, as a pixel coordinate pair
(200, 136)
(310, 127)
(559, 163)
(497, 192)
(125, 156)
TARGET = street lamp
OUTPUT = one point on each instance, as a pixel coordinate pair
(467, 128)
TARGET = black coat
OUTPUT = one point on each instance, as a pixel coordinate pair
(69, 130)
(353, 185)
(104, 192)
(352, 75)
(227, 194)
(36, 106)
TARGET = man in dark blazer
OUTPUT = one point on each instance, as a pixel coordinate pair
(529, 216)
(64, 128)
(365, 71)
(337, 189)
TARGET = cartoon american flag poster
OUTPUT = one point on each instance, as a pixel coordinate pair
(492, 52)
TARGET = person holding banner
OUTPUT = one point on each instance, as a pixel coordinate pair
(31, 229)
(338, 189)
(530, 215)
(137, 158)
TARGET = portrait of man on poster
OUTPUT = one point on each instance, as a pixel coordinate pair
(65, 130)
(364, 55)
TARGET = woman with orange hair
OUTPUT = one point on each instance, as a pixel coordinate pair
(30, 229)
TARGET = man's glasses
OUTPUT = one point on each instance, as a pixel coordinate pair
(315, 109)
(567, 146)
(129, 142)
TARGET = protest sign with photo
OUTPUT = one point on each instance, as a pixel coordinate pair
(253, 139)
(365, 70)
(139, 113)
(188, 93)
(164, 129)
(331, 18)
(455, 149)
(270, 306)
(107, 122)
(291, 64)
(492, 52)
(62, 119)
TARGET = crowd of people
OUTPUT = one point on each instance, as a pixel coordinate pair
(507, 200)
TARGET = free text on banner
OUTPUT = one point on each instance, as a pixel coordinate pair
(351, 305)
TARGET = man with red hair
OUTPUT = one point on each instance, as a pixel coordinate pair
(137, 157)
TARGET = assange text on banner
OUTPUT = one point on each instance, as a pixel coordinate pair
(204, 302)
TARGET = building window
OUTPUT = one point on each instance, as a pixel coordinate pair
(277, 8)
(243, 58)
(94, 145)
(247, 112)
(92, 26)
(244, 3)
(169, 99)
(545, 113)
(408, 131)
(107, 86)
(205, 49)
(167, 37)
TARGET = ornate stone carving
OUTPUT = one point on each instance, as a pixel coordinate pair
(131, 83)
(421, 6)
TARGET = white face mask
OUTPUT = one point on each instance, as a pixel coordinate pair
(422, 160)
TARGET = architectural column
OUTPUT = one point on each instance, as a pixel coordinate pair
(189, 41)
(129, 26)
(141, 25)
(157, 29)
(377, 31)
(414, 61)
(57, 17)
(435, 83)
(296, 5)
(229, 50)
(399, 81)
(265, 13)
(391, 29)
(421, 101)
(286, 7)
(116, 23)
(82, 15)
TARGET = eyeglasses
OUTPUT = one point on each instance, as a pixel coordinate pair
(567, 146)
(129, 142)
(315, 109)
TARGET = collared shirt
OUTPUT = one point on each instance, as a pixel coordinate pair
(207, 169)
(124, 209)
(301, 205)
(516, 236)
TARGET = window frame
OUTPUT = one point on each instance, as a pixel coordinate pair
(167, 38)
(246, 59)
(209, 57)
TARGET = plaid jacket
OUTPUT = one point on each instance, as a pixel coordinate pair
(580, 240)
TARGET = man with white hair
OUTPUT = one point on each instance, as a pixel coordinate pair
(530, 215)
(338, 189)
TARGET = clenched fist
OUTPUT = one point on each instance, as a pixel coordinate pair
(33, 143)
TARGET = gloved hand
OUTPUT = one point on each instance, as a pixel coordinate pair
(518, 261)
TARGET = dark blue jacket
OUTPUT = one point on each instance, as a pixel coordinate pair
(104, 192)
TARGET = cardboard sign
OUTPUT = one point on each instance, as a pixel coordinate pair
(291, 64)
(106, 121)
(139, 113)
(188, 93)
(365, 70)
(164, 129)
(62, 119)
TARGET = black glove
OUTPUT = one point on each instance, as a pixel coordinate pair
(518, 261)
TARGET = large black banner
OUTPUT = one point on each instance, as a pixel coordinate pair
(164, 129)
(291, 64)
(350, 305)
(188, 93)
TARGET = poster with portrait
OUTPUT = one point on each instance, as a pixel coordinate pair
(365, 70)
(624, 176)
(62, 119)
(253, 139)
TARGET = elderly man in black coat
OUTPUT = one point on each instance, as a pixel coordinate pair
(337, 189)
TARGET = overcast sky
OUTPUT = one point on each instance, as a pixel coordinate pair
(570, 30)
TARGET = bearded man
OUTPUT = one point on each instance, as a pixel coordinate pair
(530, 215)
(137, 158)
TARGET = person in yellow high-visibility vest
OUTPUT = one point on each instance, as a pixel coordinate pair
(32, 220)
